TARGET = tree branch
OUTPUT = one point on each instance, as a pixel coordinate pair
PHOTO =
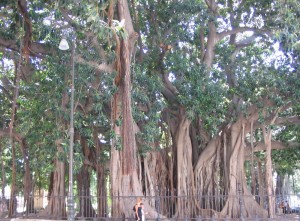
(287, 120)
(108, 68)
(212, 5)
(212, 40)
(22, 6)
(237, 30)
(202, 42)
(36, 49)
(6, 132)
(276, 145)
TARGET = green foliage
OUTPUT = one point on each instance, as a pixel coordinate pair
(287, 160)
(288, 21)
(148, 104)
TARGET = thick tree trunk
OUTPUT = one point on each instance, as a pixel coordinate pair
(156, 182)
(101, 168)
(28, 185)
(83, 180)
(124, 179)
(83, 187)
(278, 191)
(185, 181)
(102, 209)
(56, 206)
(239, 201)
(269, 174)
(279, 185)
(260, 185)
(243, 205)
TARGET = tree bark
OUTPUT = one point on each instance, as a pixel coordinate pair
(185, 174)
(269, 176)
(238, 203)
(3, 177)
(242, 205)
(83, 188)
(124, 177)
(12, 202)
(56, 206)
(101, 168)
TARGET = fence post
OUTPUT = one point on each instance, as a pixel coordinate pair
(157, 203)
(199, 218)
(214, 218)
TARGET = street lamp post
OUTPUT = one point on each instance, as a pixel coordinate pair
(71, 212)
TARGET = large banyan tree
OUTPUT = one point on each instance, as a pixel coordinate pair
(183, 99)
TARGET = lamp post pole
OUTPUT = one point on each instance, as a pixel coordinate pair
(71, 211)
(71, 194)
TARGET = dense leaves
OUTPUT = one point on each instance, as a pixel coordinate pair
(211, 62)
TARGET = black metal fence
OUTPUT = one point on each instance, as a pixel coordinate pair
(198, 208)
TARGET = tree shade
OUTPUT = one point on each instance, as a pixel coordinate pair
(194, 96)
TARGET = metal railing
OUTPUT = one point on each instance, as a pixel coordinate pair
(198, 208)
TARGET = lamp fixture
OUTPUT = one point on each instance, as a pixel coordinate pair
(63, 45)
